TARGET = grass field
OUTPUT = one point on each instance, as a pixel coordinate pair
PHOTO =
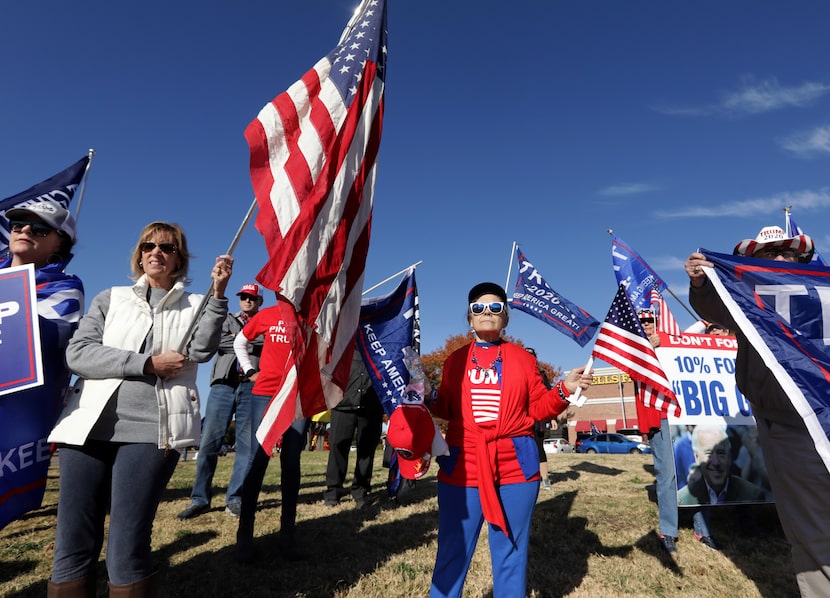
(593, 535)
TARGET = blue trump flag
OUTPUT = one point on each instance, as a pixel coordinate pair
(634, 273)
(387, 325)
(781, 308)
(796, 230)
(58, 189)
(534, 296)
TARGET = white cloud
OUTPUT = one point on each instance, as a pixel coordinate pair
(799, 200)
(809, 143)
(628, 189)
(755, 97)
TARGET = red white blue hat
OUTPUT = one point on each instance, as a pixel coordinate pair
(774, 236)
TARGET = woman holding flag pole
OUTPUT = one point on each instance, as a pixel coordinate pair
(135, 405)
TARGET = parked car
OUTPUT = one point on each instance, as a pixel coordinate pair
(557, 445)
(612, 443)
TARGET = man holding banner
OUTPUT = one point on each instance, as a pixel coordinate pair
(774, 305)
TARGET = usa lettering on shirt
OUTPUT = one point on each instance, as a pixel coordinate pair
(485, 392)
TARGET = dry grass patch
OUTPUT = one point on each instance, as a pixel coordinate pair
(593, 534)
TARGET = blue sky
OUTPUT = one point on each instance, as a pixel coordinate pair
(677, 125)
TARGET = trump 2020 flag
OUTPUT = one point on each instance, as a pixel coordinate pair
(58, 189)
(794, 230)
(387, 325)
(634, 273)
(534, 296)
(781, 309)
(622, 342)
(313, 167)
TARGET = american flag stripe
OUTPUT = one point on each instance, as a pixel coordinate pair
(665, 320)
(313, 168)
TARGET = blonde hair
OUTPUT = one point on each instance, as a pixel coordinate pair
(179, 240)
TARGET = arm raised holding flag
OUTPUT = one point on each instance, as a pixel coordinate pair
(772, 298)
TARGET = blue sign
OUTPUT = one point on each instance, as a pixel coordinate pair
(20, 360)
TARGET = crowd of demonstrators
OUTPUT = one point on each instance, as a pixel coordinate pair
(655, 425)
(279, 327)
(41, 234)
(540, 429)
(491, 394)
(359, 417)
(229, 398)
(135, 404)
(799, 479)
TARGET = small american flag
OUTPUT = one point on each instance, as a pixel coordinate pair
(313, 167)
(622, 343)
(665, 320)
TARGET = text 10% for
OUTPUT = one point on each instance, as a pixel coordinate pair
(692, 364)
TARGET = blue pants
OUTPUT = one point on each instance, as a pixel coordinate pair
(293, 442)
(663, 454)
(222, 403)
(127, 479)
(459, 524)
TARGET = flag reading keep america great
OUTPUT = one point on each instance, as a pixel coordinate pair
(313, 167)
(622, 343)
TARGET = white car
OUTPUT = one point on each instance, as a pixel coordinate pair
(557, 445)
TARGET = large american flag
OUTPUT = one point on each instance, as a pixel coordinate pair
(623, 343)
(313, 168)
(665, 320)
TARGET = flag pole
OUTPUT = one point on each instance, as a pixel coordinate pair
(577, 398)
(206, 296)
(787, 220)
(91, 153)
(510, 265)
(383, 282)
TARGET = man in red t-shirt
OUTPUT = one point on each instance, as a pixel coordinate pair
(281, 334)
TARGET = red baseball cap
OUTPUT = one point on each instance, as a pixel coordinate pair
(250, 289)
(410, 432)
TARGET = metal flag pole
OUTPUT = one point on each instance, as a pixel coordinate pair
(91, 153)
(206, 296)
(510, 266)
(787, 220)
(396, 274)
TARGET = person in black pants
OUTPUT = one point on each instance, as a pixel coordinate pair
(361, 411)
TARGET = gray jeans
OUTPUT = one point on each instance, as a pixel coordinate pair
(126, 479)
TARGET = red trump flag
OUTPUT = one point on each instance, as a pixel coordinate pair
(313, 168)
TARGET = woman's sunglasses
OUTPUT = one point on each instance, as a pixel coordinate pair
(495, 308)
(167, 248)
(38, 228)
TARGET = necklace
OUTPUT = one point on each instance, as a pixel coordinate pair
(492, 365)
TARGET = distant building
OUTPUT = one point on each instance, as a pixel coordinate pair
(610, 406)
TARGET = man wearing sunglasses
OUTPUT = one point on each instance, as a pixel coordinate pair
(799, 479)
(230, 393)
